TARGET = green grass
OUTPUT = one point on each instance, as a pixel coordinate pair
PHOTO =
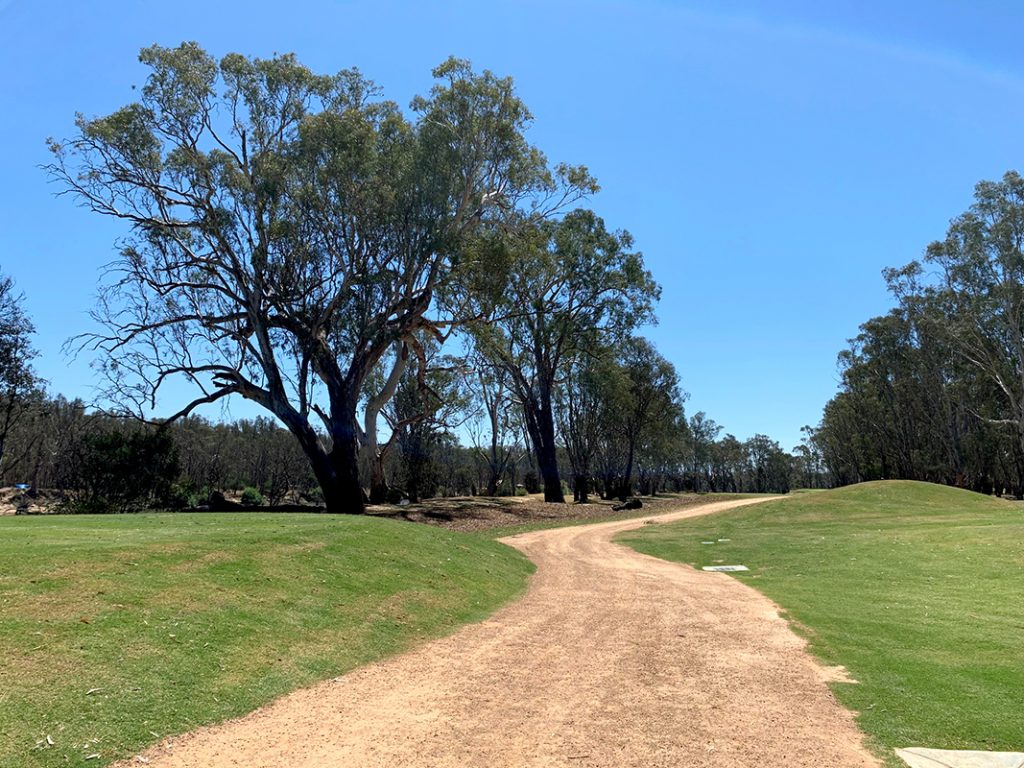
(916, 588)
(117, 630)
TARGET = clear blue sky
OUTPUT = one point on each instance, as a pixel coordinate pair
(770, 158)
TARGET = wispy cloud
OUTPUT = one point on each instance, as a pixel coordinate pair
(786, 30)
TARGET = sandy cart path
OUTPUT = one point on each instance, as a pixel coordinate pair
(611, 659)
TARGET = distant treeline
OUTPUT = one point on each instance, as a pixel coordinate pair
(934, 390)
(99, 463)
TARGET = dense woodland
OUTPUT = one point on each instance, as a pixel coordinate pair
(934, 390)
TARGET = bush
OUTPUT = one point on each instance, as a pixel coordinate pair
(117, 472)
(251, 497)
(182, 496)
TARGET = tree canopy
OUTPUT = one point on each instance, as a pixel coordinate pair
(18, 381)
(287, 228)
(573, 288)
(934, 390)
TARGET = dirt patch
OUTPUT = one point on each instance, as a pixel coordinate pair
(462, 513)
(471, 514)
(15, 501)
(611, 659)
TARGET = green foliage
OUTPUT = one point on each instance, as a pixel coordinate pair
(769, 464)
(569, 284)
(51, 439)
(934, 390)
(914, 588)
(124, 472)
(251, 497)
(19, 385)
(270, 207)
(183, 495)
(119, 628)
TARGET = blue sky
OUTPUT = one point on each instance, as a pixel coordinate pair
(770, 158)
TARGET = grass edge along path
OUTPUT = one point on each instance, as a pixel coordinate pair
(914, 588)
(116, 631)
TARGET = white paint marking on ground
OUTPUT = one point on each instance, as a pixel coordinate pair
(920, 757)
(726, 568)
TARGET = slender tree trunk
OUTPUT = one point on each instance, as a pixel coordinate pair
(540, 424)
(582, 489)
(378, 480)
(549, 471)
(377, 452)
(495, 466)
(513, 475)
(492, 482)
(412, 486)
(547, 456)
(1018, 486)
(626, 489)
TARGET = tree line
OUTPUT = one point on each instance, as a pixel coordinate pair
(379, 282)
(475, 444)
(934, 389)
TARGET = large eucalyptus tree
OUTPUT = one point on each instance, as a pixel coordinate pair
(981, 291)
(286, 229)
(574, 286)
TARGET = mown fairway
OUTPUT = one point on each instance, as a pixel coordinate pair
(915, 588)
(117, 630)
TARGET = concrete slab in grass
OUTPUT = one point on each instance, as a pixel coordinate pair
(919, 757)
(726, 568)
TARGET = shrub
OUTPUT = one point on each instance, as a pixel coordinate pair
(181, 496)
(251, 497)
(118, 472)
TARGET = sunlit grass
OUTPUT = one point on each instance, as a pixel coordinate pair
(115, 631)
(915, 588)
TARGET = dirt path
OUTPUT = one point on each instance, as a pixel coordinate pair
(611, 659)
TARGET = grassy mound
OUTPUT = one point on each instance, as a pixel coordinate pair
(915, 588)
(117, 630)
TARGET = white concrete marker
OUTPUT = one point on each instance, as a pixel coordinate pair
(731, 569)
(919, 757)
